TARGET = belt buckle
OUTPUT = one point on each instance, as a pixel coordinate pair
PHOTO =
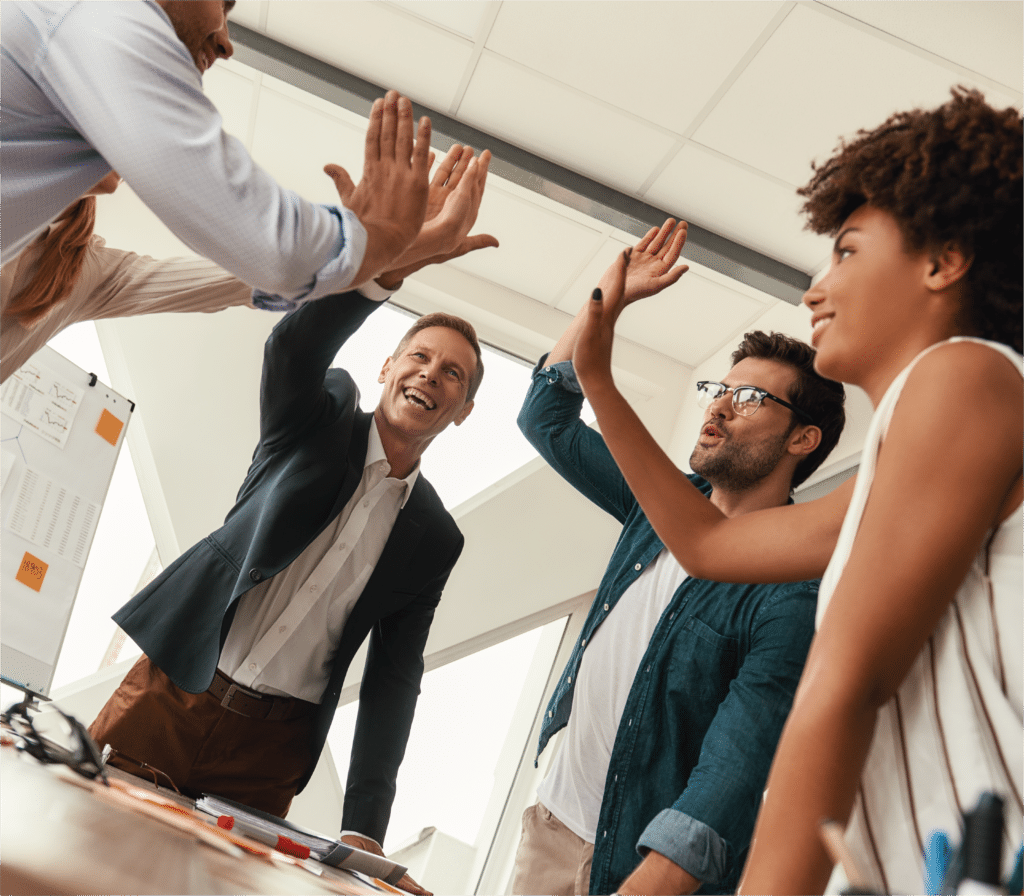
(229, 695)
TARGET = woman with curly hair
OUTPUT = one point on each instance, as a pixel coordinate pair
(910, 703)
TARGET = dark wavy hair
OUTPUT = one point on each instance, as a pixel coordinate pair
(819, 398)
(463, 327)
(947, 175)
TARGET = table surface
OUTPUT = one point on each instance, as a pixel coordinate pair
(60, 833)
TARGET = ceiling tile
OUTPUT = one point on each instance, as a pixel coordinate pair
(540, 251)
(249, 13)
(293, 142)
(735, 202)
(660, 61)
(815, 79)
(377, 42)
(461, 16)
(562, 124)
(960, 32)
(685, 322)
(230, 88)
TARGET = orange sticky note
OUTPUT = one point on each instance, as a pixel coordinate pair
(109, 427)
(32, 572)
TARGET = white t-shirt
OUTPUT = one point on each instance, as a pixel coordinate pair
(574, 785)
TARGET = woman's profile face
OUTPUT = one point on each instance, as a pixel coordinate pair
(868, 311)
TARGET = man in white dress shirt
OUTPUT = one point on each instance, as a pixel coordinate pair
(94, 87)
(335, 538)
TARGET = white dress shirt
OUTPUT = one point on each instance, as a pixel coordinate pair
(286, 630)
(93, 87)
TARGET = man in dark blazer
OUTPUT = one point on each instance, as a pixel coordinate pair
(215, 607)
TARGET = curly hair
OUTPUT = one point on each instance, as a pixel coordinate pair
(947, 175)
(821, 399)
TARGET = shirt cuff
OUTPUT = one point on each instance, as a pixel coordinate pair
(362, 836)
(691, 844)
(562, 373)
(335, 276)
(375, 292)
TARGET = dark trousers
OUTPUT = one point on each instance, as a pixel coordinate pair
(202, 746)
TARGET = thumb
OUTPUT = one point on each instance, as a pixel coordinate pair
(342, 182)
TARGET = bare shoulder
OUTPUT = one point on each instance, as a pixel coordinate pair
(962, 402)
(969, 363)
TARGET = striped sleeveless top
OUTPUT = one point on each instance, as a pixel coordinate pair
(954, 727)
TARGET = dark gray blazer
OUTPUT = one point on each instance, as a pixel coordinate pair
(306, 466)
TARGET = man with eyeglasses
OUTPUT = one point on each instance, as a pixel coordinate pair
(676, 692)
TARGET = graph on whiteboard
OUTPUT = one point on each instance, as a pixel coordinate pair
(41, 400)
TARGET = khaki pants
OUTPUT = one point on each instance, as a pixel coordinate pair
(551, 859)
(201, 746)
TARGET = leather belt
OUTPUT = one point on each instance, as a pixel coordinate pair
(253, 704)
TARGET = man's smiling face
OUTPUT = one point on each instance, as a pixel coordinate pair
(426, 385)
(202, 26)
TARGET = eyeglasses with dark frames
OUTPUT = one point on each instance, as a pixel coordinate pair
(83, 756)
(745, 399)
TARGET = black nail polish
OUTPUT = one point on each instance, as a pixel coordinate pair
(596, 295)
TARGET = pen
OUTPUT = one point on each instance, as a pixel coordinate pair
(834, 837)
(277, 841)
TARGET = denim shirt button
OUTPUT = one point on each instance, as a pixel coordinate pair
(569, 680)
(637, 567)
(550, 713)
(606, 608)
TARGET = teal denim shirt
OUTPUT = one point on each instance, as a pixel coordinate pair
(704, 714)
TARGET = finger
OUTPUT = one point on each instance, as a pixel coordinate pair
(675, 245)
(448, 163)
(672, 276)
(662, 235)
(472, 243)
(403, 130)
(342, 182)
(462, 165)
(430, 159)
(372, 153)
(421, 151)
(647, 240)
(483, 166)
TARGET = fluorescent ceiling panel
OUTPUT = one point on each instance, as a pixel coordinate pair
(376, 42)
(960, 32)
(817, 78)
(463, 17)
(562, 124)
(747, 206)
(540, 251)
(659, 61)
(293, 142)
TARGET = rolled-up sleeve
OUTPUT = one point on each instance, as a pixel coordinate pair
(709, 827)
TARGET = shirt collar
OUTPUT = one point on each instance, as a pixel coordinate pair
(375, 453)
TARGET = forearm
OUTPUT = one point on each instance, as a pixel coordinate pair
(566, 344)
(658, 874)
(683, 518)
(815, 776)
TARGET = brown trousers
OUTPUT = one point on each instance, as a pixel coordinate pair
(551, 859)
(200, 745)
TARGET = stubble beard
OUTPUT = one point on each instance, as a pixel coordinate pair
(738, 468)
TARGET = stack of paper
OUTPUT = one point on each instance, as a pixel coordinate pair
(323, 849)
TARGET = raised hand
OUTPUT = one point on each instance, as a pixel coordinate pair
(456, 190)
(651, 262)
(391, 198)
(592, 354)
